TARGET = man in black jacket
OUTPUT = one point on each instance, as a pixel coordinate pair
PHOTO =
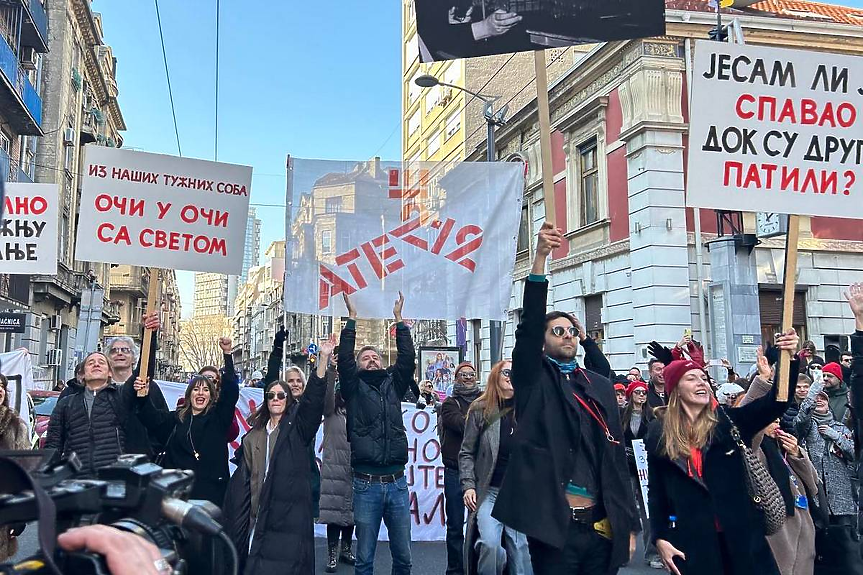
(656, 388)
(567, 484)
(379, 444)
(453, 414)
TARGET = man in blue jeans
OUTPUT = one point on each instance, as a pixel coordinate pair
(379, 444)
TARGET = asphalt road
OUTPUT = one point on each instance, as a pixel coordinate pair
(428, 558)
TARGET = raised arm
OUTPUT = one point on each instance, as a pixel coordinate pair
(854, 295)
(347, 362)
(406, 354)
(230, 392)
(530, 333)
(274, 363)
(311, 408)
(594, 359)
(152, 322)
(160, 424)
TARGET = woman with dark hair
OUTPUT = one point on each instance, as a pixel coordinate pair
(194, 434)
(213, 374)
(702, 518)
(283, 538)
(260, 441)
(488, 438)
(337, 493)
(13, 435)
(636, 418)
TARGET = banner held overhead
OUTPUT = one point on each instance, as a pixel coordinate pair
(776, 130)
(163, 211)
(28, 230)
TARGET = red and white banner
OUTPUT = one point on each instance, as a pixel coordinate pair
(163, 211)
(443, 234)
(28, 230)
(424, 469)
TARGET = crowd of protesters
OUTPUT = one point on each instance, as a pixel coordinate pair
(540, 472)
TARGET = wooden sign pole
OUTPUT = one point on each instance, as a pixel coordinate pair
(544, 134)
(789, 283)
(152, 304)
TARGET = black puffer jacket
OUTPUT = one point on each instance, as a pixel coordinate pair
(98, 438)
(376, 429)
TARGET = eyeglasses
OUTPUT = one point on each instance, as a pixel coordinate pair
(273, 395)
(467, 374)
(639, 392)
(123, 350)
(206, 376)
(559, 331)
(506, 372)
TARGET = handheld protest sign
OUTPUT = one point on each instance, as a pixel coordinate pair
(152, 305)
(163, 211)
(28, 231)
(788, 283)
(471, 28)
(542, 107)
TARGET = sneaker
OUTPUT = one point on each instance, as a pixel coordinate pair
(656, 563)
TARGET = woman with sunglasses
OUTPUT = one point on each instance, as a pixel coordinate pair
(282, 540)
(488, 438)
(194, 434)
(636, 418)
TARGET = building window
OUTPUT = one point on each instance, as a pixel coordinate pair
(414, 91)
(434, 144)
(412, 50)
(453, 124)
(433, 97)
(588, 194)
(326, 242)
(414, 123)
(453, 73)
(333, 205)
(593, 319)
(524, 229)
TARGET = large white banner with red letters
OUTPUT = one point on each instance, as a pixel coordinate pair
(163, 211)
(424, 470)
(444, 234)
(776, 130)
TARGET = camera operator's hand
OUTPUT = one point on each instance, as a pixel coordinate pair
(125, 553)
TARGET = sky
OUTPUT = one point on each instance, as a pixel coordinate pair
(309, 79)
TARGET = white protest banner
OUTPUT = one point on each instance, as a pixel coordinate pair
(443, 234)
(28, 230)
(18, 369)
(641, 466)
(775, 130)
(424, 470)
(163, 211)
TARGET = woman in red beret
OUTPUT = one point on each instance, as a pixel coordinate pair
(702, 518)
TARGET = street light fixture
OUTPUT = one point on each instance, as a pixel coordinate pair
(492, 119)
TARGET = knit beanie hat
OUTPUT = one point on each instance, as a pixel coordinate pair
(833, 368)
(675, 370)
(463, 365)
(638, 384)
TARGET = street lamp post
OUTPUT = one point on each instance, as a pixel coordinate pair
(493, 120)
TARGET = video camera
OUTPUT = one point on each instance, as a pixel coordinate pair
(132, 494)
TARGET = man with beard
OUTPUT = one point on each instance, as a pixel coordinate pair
(379, 444)
(656, 393)
(567, 485)
(453, 414)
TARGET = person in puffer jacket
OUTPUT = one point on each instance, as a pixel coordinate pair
(786, 422)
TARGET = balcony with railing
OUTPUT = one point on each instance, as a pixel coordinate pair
(21, 104)
(34, 29)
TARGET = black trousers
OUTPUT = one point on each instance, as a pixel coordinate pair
(454, 507)
(586, 553)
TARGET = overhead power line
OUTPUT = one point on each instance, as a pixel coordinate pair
(168, 78)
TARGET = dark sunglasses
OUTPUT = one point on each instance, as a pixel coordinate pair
(639, 392)
(506, 372)
(559, 331)
(273, 395)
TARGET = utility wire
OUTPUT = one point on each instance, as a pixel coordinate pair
(216, 142)
(168, 78)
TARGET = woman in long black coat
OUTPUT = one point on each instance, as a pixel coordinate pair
(284, 538)
(194, 435)
(703, 521)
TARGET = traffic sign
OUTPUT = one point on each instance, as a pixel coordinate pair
(312, 349)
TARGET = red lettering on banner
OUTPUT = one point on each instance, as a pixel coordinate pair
(445, 231)
(764, 176)
(806, 112)
(437, 510)
(25, 206)
(402, 232)
(354, 270)
(378, 260)
(331, 285)
(471, 246)
(414, 195)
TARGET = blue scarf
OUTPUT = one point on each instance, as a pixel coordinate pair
(565, 367)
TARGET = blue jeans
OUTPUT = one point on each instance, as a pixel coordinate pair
(389, 502)
(493, 556)
(454, 505)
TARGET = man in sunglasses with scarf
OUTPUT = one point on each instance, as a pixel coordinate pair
(580, 517)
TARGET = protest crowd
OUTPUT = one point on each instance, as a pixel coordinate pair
(540, 472)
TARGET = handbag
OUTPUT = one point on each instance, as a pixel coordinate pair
(763, 491)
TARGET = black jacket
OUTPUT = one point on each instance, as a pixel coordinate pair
(655, 400)
(532, 497)
(98, 438)
(284, 533)
(452, 417)
(720, 496)
(856, 385)
(595, 360)
(274, 362)
(376, 428)
(644, 424)
(204, 434)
